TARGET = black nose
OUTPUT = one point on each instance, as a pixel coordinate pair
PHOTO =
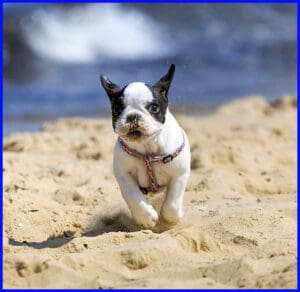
(134, 118)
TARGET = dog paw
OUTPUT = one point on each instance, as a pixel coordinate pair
(146, 216)
(171, 214)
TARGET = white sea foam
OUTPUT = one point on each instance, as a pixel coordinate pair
(95, 32)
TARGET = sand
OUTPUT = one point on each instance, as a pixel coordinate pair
(67, 226)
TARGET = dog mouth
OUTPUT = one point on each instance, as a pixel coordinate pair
(134, 134)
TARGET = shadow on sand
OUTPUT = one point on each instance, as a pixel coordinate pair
(117, 221)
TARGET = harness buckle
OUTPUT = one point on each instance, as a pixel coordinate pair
(167, 158)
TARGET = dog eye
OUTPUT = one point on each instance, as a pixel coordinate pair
(153, 108)
(117, 109)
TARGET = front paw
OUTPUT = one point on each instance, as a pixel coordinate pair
(171, 214)
(145, 216)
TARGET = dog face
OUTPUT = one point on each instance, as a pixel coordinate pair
(138, 109)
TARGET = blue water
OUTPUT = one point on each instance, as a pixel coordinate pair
(54, 54)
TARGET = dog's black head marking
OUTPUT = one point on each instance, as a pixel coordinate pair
(113, 90)
(160, 89)
(163, 84)
(115, 93)
(158, 106)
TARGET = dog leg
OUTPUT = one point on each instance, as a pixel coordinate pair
(141, 210)
(172, 209)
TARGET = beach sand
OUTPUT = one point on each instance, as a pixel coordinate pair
(67, 226)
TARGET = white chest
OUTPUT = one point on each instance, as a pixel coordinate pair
(160, 171)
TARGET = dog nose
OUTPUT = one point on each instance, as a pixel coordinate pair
(134, 118)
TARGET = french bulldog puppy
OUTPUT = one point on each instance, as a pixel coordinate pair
(152, 152)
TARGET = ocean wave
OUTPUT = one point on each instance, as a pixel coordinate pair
(94, 33)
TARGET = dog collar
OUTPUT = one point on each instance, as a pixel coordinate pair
(149, 159)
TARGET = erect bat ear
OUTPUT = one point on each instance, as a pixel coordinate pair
(163, 85)
(111, 89)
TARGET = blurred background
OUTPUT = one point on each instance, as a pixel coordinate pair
(53, 55)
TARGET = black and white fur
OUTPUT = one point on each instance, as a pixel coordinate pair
(141, 117)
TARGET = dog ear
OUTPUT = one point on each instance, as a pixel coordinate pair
(112, 90)
(163, 85)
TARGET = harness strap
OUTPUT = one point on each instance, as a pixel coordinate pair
(149, 159)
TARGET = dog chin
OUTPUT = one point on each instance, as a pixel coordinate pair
(135, 136)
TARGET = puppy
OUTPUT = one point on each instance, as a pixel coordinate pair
(152, 151)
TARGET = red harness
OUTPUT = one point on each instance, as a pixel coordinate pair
(149, 159)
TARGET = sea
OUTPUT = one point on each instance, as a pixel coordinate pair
(54, 53)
